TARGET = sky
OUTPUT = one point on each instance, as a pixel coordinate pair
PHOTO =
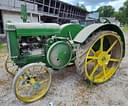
(92, 5)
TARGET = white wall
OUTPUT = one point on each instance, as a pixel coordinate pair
(17, 4)
(15, 17)
(33, 18)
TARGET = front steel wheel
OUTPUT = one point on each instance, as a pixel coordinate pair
(32, 82)
(103, 57)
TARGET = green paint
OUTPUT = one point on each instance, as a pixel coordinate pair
(36, 32)
(13, 44)
(70, 30)
(59, 54)
(24, 60)
(24, 13)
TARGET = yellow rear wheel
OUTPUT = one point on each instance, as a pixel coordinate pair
(103, 57)
(32, 82)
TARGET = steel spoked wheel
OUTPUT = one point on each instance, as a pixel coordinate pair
(103, 57)
(10, 66)
(32, 82)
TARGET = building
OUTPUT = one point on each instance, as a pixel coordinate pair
(92, 17)
(39, 11)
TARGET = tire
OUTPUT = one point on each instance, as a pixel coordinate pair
(100, 56)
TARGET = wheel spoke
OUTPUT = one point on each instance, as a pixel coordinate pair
(114, 60)
(21, 77)
(44, 81)
(93, 51)
(89, 61)
(10, 66)
(27, 73)
(33, 68)
(43, 69)
(12, 69)
(92, 57)
(111, 47)
(94, 70)
(32, 81)
(24, 87)
(101, 43)
(31, 91)
(104, 71)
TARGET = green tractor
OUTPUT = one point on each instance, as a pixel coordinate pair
(36, 49)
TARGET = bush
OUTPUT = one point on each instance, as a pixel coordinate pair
(1, 45)
(125, 29)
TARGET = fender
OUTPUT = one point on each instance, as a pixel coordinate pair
(93, 28)
(70, 30)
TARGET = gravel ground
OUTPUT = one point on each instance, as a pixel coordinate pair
(68, 89)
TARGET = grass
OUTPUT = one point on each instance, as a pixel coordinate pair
(3, 47)
(125, 29)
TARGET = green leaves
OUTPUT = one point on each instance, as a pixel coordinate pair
(106, 11)
(121, 15)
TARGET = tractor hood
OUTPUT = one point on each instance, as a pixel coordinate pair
(26, 29)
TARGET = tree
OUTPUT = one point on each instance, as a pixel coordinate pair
(82, 6)
(106, 11)
(77, 4)
(123, 13)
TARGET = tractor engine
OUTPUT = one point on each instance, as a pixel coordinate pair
(48, 42)
(58, 51)
(31, 45)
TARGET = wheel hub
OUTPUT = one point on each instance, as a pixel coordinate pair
(103, 58)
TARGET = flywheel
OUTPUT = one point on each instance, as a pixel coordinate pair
(59, 54)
